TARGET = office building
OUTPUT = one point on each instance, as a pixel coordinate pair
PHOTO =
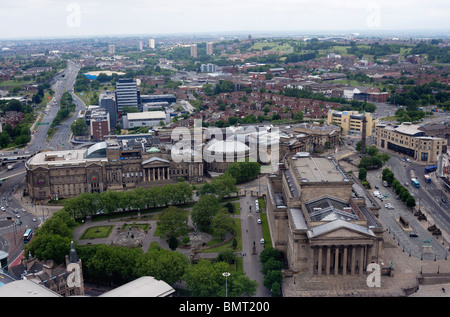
(144, 119)
(127, 94)
(99, 124)
(169, 98)
(351, 122)
(151, 43)
(208, 68)
(209, 48)
(141, 45)
(107, 100)
(194, 50)
(409, 140)
(111, 49)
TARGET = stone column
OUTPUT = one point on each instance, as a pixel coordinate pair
(311, 261)
(353, 262)
(336, 260)
(168, 173)
(319, 268)
(361, 259)
(344, 262)
(327, 268)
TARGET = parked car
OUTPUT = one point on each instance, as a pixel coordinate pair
(413, 235)
(34, 219)
(444, 200)
(258, 221)
(262, 241)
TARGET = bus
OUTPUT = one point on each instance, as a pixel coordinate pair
(430, 169)
(27, 236)
(415, 183)
(427, 178)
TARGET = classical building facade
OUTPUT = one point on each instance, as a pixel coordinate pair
(320, 220)
(118, 163)
(411, 141)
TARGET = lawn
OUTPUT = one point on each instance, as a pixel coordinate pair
(97, 232)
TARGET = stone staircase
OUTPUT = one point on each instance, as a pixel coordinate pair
(341, 286)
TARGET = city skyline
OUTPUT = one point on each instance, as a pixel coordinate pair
(52, 18)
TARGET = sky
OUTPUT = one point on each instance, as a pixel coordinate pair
(72, 18)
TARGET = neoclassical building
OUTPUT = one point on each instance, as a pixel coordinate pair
(320, 219)
(118, 163)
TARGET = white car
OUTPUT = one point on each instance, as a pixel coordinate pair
(262, 241)
(258, 221)
(3, 208)
(34, 219)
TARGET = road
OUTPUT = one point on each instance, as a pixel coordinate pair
(11, 190)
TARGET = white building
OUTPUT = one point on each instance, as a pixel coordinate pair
(151, 43)
(144, 119)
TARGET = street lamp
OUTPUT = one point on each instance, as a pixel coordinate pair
(226, 274)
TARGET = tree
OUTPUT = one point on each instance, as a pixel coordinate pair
(49, 247)
(362, 174)
(224, 185)
(204, 210)
(205, 279)
(221, 224)
(243, 171)
(78, 127)
(372, 150)
(173, 222)
(410, 202)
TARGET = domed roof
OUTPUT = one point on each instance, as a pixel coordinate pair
(228, 146)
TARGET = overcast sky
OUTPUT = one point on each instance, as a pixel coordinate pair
(57, 18)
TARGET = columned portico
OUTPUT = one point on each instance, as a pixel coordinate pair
(345, 259)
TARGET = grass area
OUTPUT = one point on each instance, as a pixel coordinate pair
(389, 118)
(142, 226)
(265, 229)
(352, 83)
(97, 232)
(274, 46)
(229, 245)
(13, 83)
(262, 203)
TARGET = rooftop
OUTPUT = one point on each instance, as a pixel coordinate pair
(317, 169)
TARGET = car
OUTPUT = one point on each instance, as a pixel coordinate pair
(3, 208)
(258, 221)
(262, 241)
(16, 211)
(404, 159)
(406, 184)
(413, 235)
(34, 219)
(444, 200)
(377, 187)
(408, 160)
(23, 210)
(18, 216)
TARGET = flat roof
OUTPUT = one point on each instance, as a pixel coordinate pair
(146, 286)
(56, 158)
(318, 169)
(146, 115)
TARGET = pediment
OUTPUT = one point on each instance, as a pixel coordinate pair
(343, 233)
(340, 229)
(155, 161)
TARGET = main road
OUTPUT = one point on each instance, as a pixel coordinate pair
(15, 179)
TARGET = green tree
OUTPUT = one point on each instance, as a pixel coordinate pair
(204, 210)
(224, 185)
(173, 222)
(410, 202)
(78, 127)
(362, 174)
(221, 224)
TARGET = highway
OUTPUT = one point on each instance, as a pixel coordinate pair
(13, 184)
